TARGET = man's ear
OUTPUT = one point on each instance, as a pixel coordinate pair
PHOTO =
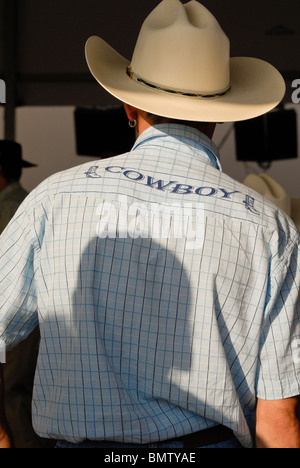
(131, 112)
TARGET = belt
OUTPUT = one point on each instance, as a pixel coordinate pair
(211, 436)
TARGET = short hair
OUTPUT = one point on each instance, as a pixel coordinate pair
(157, 119)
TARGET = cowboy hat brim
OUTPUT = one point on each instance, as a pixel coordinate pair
(256, 88)
(28, 164)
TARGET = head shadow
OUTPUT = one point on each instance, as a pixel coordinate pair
(132, 302)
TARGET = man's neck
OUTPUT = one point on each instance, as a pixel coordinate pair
(208, 128)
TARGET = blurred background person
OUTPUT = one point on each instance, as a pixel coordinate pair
(21, 361)
(11, 191)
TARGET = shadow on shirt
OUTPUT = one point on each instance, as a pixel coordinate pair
(134, 319)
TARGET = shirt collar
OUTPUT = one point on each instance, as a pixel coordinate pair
(201, 146)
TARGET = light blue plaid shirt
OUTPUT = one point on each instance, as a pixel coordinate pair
(146, 338)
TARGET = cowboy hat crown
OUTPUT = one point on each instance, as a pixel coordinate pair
(197, 64)
(181, 69)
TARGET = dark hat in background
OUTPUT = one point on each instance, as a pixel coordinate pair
(11, 154)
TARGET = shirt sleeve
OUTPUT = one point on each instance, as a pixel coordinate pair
(18, 299)
(279, 360)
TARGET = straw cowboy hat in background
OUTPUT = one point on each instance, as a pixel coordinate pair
(181, 69)
(273, 191)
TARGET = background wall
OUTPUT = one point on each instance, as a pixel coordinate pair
(42, 62)
(286, 172)
(1, 121)
(48, 138)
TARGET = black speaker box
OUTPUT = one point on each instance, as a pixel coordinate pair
(102, 132)
(268, 138)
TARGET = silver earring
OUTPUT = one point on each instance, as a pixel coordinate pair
(132, 123)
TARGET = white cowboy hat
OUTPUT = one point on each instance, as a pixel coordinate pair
(273, 191)
(181, 69)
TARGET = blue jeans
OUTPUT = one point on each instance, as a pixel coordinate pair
(232, 443)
